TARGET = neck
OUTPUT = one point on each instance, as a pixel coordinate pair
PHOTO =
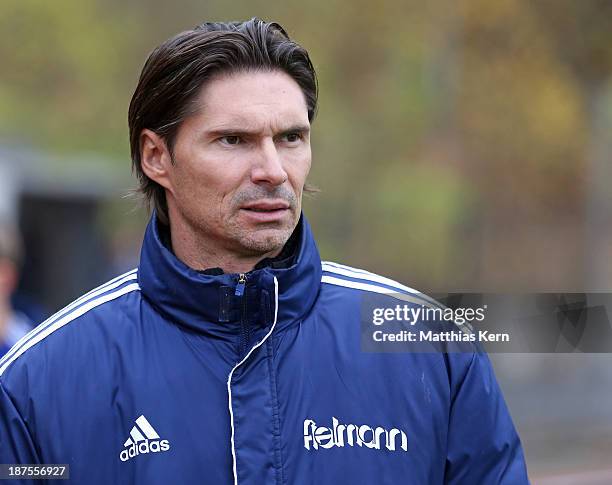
(200, 254)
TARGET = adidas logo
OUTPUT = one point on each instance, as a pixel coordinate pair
(143, 439)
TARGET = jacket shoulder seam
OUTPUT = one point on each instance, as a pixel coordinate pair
(360, 279)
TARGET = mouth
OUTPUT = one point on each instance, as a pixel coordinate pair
(267, 206)
(266, 211)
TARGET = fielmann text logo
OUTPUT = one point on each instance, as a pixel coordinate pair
(339, 435)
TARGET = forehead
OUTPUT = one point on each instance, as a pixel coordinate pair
(254, 99)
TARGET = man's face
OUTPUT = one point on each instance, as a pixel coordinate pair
(241, 162)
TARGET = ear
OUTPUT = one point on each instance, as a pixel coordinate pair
(155, 159)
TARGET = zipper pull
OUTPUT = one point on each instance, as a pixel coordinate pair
(241, 284)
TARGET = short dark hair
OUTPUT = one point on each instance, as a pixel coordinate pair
(175, 72)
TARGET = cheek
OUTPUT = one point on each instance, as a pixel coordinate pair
(207, 192)
(298, 169)
(191, 189)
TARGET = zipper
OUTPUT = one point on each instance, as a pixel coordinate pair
(240, 289)
(241, 284)
(229, 385)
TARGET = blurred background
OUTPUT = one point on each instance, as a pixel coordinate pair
(458, 146)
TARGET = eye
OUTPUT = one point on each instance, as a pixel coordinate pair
(230, 140)
(292, 137)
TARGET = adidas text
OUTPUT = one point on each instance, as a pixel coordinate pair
(144, 447)
(143, 439)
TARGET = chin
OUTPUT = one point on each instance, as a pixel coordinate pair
(266, 240)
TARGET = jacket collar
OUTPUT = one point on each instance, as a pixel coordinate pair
(208, 303)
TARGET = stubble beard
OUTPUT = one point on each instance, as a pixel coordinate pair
(268, 238)
(233, 236)
(265, 237)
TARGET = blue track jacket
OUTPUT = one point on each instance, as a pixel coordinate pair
(166, 375)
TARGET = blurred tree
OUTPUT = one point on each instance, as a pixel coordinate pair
(524, 125)
(581, 33)
(63, 84)
(454, 139)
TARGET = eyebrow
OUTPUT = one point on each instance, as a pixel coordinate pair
(220, 132)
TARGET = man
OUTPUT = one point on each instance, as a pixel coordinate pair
(14, 324)
(232, 355)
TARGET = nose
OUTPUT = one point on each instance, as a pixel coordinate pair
(268, 166)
